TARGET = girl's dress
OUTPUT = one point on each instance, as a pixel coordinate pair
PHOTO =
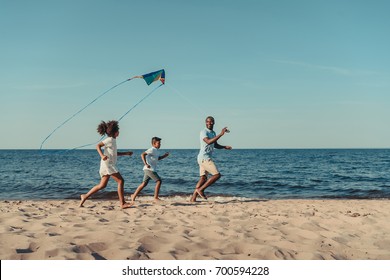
(108, 167)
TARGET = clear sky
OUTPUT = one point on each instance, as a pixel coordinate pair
(279, 74)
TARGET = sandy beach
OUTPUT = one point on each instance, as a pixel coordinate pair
(222, 229)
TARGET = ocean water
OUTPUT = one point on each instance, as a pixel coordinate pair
(252, 173)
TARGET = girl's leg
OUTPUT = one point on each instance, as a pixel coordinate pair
(121, 182)
(98, 187)
(138, 190)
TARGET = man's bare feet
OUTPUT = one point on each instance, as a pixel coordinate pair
(132, 198)
(201, 193)
(82, 197)
(194, 196)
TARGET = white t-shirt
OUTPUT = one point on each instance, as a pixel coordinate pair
(152, 158)
(108, 167)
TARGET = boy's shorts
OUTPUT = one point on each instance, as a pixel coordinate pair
(148, 174)
(207, 167)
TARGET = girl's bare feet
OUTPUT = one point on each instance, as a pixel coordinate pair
(127, 205)
(82, 197)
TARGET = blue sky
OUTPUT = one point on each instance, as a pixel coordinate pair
(279, 74)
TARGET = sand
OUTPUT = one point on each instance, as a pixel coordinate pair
(222, 229)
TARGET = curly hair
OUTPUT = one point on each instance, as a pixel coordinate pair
(109, 128)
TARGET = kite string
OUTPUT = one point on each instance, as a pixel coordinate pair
(201, 112)
(86, 145)
(79, 111)
(139, 102)
(94, 143)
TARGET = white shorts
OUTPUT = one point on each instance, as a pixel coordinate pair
(207, 167)
(107, 168)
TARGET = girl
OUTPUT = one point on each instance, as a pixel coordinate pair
(108, 162)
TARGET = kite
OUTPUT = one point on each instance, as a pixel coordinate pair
(152, 77)
(149, 78)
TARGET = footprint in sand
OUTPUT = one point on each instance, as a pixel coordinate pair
(79, 225)
(33, 247)
(51, 253)
(53, 234)
(151, 243)
(98, 246)
(16, 229)
(79, 249)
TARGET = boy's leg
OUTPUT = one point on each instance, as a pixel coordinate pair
(121, 182)
(138, 190)
(155, 177)
(157, 190)
(98, 187)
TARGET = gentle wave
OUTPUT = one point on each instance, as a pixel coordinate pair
(257, 174)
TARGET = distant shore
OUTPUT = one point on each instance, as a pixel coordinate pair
(215, 229)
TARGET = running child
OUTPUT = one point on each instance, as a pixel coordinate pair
(150, 158)
(108, 162)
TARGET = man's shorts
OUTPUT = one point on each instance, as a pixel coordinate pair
(207, 167)
(148, 174)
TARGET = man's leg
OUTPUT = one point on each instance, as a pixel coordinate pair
(201, 181)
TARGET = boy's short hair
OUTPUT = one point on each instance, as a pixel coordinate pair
(155, 139)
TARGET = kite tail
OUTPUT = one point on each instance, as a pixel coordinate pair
(79, 111)
(135, 77)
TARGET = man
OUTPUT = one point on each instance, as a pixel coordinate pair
(208, 141)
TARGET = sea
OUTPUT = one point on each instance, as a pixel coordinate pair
(246, 173)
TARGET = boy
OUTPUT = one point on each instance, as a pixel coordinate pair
(150, 158)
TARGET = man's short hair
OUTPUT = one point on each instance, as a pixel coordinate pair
(211, 118)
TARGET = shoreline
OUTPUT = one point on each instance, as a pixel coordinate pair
(225, 229)
(181, 197)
